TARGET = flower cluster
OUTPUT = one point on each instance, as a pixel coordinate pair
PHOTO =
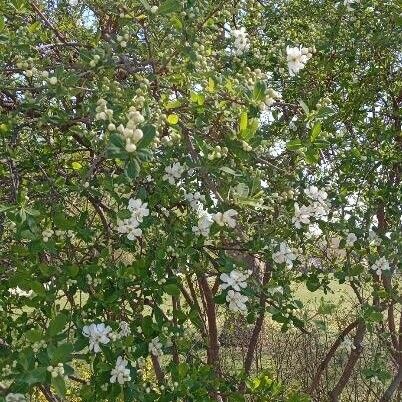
(15, 398)
(236, 280)
(297, 58)
(317, 209)
(195, 199)
(380, 266)
(138, 210)
(284, 255)
(131, 132)
(226, 218)
(173, 173)
(102, 111)
(120, 373)
(56, 371)
(97, 334)
(155, 347)
(241, 42)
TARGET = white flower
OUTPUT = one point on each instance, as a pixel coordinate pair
(236, 301)
(297, 58)
(129, 226)
(138, 209)
(284, 255)
(302, 215)
(236, 280)
(316, 194)
(15, 398)
(20, 292)
(73, 3)
(97, 334)
(241, 42)
(226, 218)
(53, 80)
(348, 344)
(195, 199)
(124, 329)
(349, 3)
(155, 347)
(204, 224)
(173, 172)
(380, 266)
(120, 373)
(374, 238)
(350, 239)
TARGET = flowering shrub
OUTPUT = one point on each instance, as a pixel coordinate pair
(167, 162)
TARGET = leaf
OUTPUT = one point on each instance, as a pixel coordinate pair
(172, 289)
(169, 6)
(259, 91)
(57, 324)
(149, 132)
(211, 85)
(312, 155)
(304, 106)
(145, 4)
(61, 354)
(243, 121)
(227, 169)
(34, 376)
(294, 145)
(59, 385)
(76, 165)
(173, 119)
(132, 169)
(315, 132)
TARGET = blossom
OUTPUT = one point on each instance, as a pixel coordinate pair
(124, 329)
(226, 218)
(15, 398)
(20, 292)
(236, 301)
(297, 58)
(349, 3)
(138, 209)
(316, 194)
(348, 344)
(302, 215)
(97, 334)
(204, 224)
(129, 226)
(284, 255)
(120, 373)
(173, 172)
(350, 239)
(241, 42)
(155, 347)
(195, 199)
(236, 280)
(380, 266)
(374, 238)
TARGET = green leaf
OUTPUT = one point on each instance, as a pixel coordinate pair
(304, 106)
(145, 4)
(173, 119)
(243, 121)
(57, 324)
(312, 155)
(132, 169)
(211, 85)
(172, 289)
(59, 385)
(76, 166)
(34, 376)
(169, 6)
(229, 170)
(61, 354)
(294, 145)
(149, 132)
(315, 132)
(259, 91)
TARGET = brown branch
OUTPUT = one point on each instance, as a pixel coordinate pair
(353, 357)
(324, 363)
(158, 369)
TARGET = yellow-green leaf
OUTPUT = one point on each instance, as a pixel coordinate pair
(243, 121)
(173, 119)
